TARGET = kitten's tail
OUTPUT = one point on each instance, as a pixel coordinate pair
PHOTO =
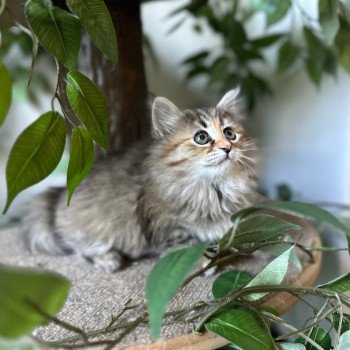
(39, 224)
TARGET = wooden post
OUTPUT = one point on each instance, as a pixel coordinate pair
(125, 85)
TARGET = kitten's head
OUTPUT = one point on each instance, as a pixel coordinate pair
(204, 141)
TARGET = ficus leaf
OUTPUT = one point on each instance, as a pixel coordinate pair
(97, 21)
(6, 92)
(80, 159)
(266, 41)
(328, 18)
(344, 341)
(319, 336)
(272, 274)
(166, 278)
(196, 58)
(24, 289)
(338, 285)
(299, 209)
(261, 227)
(314, 63)
(35, 154)
(274, 10)
(278, 249)
(291, 346)
(89, 104)
(287, 55)
(229, 281)
(312, 212)
(243, 328)
(345, 326)
(58, 31)
(342, 43)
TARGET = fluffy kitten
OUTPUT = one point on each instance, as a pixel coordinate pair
(184, 184)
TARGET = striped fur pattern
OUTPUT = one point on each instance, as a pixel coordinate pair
(182, 185)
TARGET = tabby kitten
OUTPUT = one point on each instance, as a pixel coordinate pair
(184, 184)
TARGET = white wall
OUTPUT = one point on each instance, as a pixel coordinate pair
(167, 78)
(304, 133)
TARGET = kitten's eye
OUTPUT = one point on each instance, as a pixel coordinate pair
(202, 138)
(229, 134)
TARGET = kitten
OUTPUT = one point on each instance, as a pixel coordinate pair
(184, 184)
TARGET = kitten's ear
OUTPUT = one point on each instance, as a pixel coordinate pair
(164, 115)
(230, 101)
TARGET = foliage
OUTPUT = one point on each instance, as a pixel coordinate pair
(35, 154)
(28, 298)
(323, 45)
(38, 149)
(167, 279)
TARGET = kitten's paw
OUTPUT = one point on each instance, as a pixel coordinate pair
(109, 262)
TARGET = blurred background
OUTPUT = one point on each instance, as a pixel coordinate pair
(301, 121)
(296, 94)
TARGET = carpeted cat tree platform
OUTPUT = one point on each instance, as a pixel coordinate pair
(95, 295)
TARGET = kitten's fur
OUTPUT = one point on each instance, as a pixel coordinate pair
(156, 193)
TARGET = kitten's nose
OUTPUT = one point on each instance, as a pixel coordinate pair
(226, 147)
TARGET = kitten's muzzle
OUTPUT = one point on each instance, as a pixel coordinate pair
(226, 150)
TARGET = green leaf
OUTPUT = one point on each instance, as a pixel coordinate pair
(284, 192)
(291, 346)
(97, 21)
(299, 209)
(35, 154)
(261, 227)
(328, 19)
(258, 228)
(166, 278)
(236, 34)
(198, 57)
(243, 328)
(89, 104)
(6, 92)
(20, 289)
(80, 160)
(338, 285)
(344, 341)
(229, 281)
(244, 55)
(330, 63)
(272, 274)
(274, 10)
(278, 249)
(195, 71)
(287, 55)
(58, 31)
(319, 336)
(266, 40)
(316, 56)
(218, 69)
(345, 326)
(280, 9)
(17, 345)
(310, 211)
(342, 43)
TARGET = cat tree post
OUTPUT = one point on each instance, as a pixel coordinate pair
(125, 85)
